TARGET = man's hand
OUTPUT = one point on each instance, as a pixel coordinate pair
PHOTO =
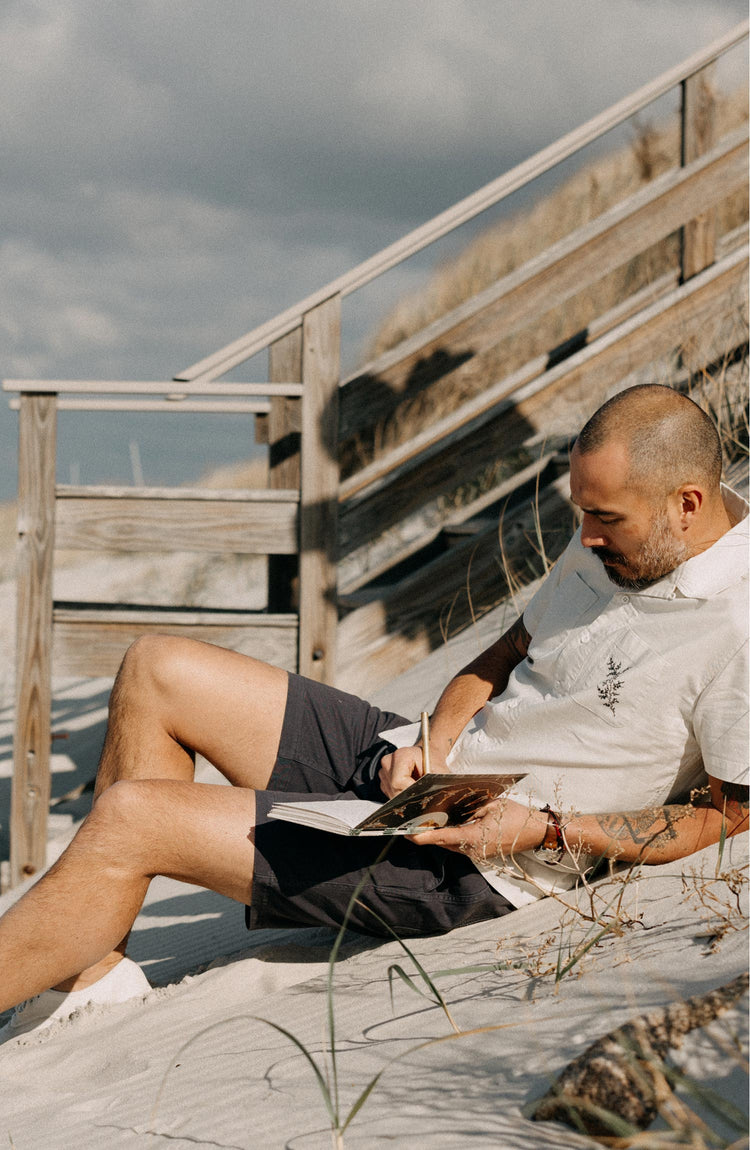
(402, 767)
(653, 835)
(465, 695)
(499, 829)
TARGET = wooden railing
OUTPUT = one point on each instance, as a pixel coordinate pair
(365, 569)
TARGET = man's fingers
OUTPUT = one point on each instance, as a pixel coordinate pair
(452, 838)
(399, 770)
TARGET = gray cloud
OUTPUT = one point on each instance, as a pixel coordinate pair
(175, 171)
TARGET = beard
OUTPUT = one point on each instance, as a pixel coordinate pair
(659, 554)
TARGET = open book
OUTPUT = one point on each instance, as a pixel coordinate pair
(433, 801)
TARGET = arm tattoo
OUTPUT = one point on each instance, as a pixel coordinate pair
(652, 827)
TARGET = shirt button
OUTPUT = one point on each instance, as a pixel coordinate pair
(585, 637)
(626, 599)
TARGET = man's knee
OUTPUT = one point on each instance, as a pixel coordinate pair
(115, 818)
(153, 663)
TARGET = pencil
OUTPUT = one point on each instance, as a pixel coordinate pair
(425, 718)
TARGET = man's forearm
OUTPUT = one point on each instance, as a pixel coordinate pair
(652, 835)
(483, 679)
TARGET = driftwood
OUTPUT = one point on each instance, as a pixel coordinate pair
(621, 1073)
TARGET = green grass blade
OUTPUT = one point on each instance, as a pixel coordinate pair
(584, 950)
(437, 996)
(332, 959)
(394, 970)
(363, 1098)
(322, 1084)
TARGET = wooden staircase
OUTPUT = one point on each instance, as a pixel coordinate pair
(370, 569)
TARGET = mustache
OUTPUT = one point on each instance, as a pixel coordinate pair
(614, 556)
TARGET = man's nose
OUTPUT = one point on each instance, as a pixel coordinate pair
(591, 532)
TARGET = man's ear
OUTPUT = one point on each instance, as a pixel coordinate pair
(691, 502)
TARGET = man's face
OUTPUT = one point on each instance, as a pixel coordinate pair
(637, 540)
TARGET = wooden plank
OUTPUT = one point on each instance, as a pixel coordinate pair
(544, 282)
(724, 277)
(150, 387)
(698, 126)
(507, 414)
(127, 524)
(470, 375)
(87, 644)
(173, 407)
(198, 494)
(31, 742)
(283, 437)
(412, 618)
(260, 337)
(372, 560)
(319, 477)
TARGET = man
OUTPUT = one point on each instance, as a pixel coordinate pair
(620, 691)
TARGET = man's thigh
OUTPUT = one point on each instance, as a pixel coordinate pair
(309, 877)
(330, 741)
(330, 745)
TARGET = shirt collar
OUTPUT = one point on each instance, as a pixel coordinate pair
(720, 566)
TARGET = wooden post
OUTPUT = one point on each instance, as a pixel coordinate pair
(31, 744)
(697, 138)
(284, 424)
(319, 491)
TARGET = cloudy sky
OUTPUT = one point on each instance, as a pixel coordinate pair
(176, 171)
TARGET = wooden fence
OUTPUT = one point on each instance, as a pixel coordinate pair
(369, 571)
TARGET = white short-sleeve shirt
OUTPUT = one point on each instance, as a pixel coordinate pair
(626, 699)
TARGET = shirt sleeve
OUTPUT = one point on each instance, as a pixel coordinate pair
(720, 722)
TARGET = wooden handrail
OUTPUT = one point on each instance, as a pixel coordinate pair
(434, 437)
(256, 340)
(549, 278)
(148, 387)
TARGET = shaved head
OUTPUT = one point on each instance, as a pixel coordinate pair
(669, 439)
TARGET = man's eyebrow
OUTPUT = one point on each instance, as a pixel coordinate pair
(594, 510)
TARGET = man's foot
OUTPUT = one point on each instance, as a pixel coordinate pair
(122, 982)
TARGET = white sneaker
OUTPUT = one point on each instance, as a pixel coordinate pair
(122, 982)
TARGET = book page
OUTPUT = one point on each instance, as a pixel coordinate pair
(338, 814)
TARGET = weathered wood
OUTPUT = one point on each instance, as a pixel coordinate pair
(283, 437)
(430, 461)
(544, 282)
(221, 361)
(319, 492)
(178, 494)
(379, 556)
(698, 124)
(284, 421)
(124, 524)
(150, 387)
(92, 640)
(172, 407)
(31, 743)
(411, 618)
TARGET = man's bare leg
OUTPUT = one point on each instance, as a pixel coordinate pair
(172, 697)
(76, 914)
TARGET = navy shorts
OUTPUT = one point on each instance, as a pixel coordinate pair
(330, 747)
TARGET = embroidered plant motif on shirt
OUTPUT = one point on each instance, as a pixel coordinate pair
(609, 689)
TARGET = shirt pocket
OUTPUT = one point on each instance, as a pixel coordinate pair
(623, 683)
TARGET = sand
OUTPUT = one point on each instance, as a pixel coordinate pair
(202, 1059)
